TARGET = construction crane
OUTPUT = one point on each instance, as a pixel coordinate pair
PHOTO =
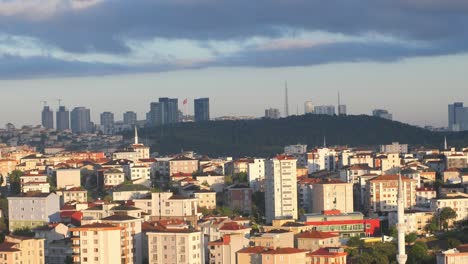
(44, 102)
(60, 102)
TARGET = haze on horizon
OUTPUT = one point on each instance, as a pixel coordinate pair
(408, 57)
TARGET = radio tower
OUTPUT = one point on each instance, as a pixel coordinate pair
(286, 103)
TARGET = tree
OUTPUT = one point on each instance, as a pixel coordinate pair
(433, 226)
(418, 253)
(14, 179)
(411, 238)
(25, 231)
(453, 242)
(447, 214)
(393, 232)
(355, 242)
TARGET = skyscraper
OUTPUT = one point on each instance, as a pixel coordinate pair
(281, 188)
(63, 119)
(166, 111)
(308, 107)
(107, 122)
(457, 117)
(130, 118)
(81, 120)
(202, 109)
(341, 109)
(47, 118)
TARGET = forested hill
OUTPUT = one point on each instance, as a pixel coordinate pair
(266, 137)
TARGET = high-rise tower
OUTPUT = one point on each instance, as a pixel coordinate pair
(63, 119)
(401, 226)
(47, 117)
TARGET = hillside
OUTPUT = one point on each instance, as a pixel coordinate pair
(267, 137)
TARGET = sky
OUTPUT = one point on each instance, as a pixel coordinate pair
(407, 56)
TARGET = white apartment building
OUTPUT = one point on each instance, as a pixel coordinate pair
(34, 182)
(113, 177)
(332, 195)
(321, 159)
(97, 243)
(131, 245)
(173, 242)
(256, 172)
(165, 205)
(281, 188)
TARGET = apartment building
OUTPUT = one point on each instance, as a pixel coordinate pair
(274, 239)
(165, 205)
(415, 221)
(239, 197)
(131, 239)
(33, 210)
(281, 188)
(206, 199)
(34, 181)
(97, 243)
(260, 255)
(314, 240)
(224, 249)
(382, 191)
(174, 242)
(66, 178)
(332, 194)
(19, 249)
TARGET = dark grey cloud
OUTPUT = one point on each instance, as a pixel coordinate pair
(443, 25)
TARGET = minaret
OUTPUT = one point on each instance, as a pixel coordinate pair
(324, 141)
(401, 257)
(136, 135)
(286, 100)
(445, 143)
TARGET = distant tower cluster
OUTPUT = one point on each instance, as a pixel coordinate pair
(163, 112)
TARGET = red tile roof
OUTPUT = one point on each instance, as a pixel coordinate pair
(253, 250)
(327, 252)
(282, 251)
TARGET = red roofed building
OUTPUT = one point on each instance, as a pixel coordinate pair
(263, 255)
(327, 255)
(224, 249)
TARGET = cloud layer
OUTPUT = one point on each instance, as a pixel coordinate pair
(85, 37)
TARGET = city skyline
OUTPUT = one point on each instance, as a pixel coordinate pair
(432, 110)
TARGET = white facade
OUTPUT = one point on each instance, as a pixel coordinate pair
(256, 171)
(321, 159)
(281, 188)
(324, 110)
(175, 246)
